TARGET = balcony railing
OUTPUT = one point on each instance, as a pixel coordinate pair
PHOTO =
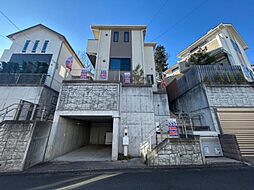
(22, 78)
(125, 77)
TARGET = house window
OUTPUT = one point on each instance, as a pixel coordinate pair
(45, 45)
(150, 79)
(120, 64)
(36, 43)
(115, 64)
(126, 36)
(25, 46)
(116, 37)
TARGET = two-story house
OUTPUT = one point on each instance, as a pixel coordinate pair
(33, 68)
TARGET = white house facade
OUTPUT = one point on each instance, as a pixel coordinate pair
(116, 50)
(33, 68)
(223, 42)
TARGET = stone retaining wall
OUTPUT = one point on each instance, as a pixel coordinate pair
(177, 152)
(15, 140)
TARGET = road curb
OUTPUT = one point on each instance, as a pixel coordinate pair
(207, 166)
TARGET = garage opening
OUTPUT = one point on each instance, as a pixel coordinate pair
(86, 139)
(239, 122)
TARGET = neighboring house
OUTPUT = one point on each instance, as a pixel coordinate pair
(31, 75)
(96, 115)
(225, 44)
(217, 97)
(34, 67)
(117, 50)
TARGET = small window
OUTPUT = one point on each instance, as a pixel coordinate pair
(125, 64)
(116, 37)
(35, 46)
(45, 45)
(126, 36)
(25, 46)
(150, 79)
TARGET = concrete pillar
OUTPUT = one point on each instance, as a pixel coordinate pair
(116, 121)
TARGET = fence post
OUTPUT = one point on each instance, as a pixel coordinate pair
(6, 111)
(43, 112)
(18, 78)
(33, 112)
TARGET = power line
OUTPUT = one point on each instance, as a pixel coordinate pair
(155, 15)
(8, 18)
(180, 20)
(4, 15)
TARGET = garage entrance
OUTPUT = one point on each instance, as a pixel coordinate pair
(239, 122)
(90, 139)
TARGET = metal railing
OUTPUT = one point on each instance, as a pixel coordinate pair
(125, 77)
(157, 135)
(5, 112)
(22, 78)
(26, 111)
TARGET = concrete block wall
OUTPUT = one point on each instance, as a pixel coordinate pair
(22, 144)
(14, 143)
(232, 95)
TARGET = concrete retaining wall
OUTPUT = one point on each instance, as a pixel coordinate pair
(195, 102)
(137, 114)
(69, 135)
(203, 99)
(161, 107)
(98, 132)
(38, 143)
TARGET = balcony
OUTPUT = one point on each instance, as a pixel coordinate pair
(125, 77)
(91, 50)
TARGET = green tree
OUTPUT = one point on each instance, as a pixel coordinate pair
(138, 75)
(201, 57)
(161, 58)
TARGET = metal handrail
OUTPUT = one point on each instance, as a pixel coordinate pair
(9, 106)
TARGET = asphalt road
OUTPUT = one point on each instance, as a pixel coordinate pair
(223, 178)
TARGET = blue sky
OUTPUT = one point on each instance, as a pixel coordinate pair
(184, 20)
